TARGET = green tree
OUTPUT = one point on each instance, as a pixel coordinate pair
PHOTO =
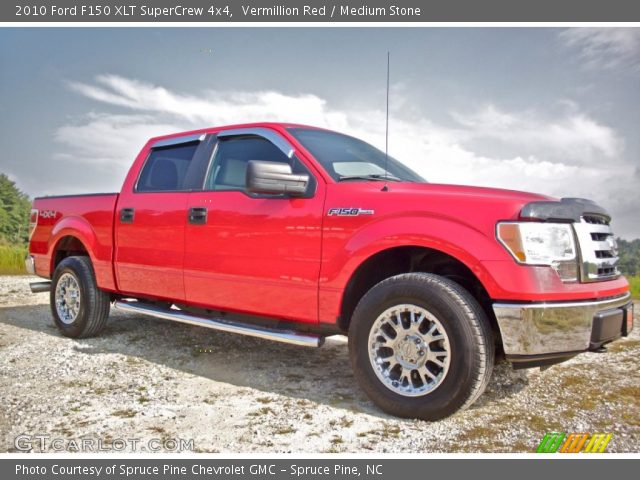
(14, 213)
(629, 253)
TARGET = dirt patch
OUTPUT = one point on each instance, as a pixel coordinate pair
(150, 379)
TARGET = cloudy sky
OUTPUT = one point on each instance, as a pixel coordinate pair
(554, 111)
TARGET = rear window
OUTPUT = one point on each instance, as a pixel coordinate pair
(166, 168)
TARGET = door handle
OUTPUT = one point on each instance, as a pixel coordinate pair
(127, 215)
(198, 215)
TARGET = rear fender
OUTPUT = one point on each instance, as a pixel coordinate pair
(100, 255)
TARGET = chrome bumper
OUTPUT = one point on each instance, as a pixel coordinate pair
(537, 329)
(30, 265)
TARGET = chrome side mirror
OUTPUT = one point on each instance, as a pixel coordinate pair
(275, 178)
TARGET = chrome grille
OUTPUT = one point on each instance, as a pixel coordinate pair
(598, 249)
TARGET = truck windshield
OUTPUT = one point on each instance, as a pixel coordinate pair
(346, 158)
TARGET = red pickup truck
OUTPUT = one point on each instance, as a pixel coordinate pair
(294, 233)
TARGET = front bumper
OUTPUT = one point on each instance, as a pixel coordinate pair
(540, 333)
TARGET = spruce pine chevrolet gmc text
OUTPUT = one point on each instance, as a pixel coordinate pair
(294, 233)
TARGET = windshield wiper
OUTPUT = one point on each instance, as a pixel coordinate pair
(376, 177)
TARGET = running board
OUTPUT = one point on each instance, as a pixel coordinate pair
(285, 336)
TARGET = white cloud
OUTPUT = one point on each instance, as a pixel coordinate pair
(608, 47)
(218, 107)
(567, 156)
(575, 138)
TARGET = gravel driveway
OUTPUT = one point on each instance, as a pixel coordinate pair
(151, 379)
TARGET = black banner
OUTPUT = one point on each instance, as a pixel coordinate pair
(389, 469)
(223, 11)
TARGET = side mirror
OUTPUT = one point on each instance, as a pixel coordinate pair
(275, 178)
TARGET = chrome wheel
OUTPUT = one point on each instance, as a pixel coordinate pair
(409, 350)
(67, 298)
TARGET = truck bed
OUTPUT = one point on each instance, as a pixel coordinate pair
(88, 217)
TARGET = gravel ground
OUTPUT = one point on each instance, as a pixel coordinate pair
(150, 379)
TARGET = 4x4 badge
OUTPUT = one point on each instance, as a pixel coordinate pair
(349, 211)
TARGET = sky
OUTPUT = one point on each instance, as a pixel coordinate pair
(548, 110)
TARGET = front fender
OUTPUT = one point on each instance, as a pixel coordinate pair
(461, 241)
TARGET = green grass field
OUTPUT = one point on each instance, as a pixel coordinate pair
(634, 282)
(12, 260)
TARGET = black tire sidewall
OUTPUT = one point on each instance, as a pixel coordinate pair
(72, 266)
(455, 389)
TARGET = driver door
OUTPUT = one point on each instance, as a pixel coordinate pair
(248, 253)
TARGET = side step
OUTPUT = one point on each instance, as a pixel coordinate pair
(37, 287)
(285, 336)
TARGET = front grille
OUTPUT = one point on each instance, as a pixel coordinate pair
(598, 249)
(595, 219)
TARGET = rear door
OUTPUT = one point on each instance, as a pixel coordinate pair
(151, 217)
(257, 254)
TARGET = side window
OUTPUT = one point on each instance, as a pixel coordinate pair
(166, 168)
(229, 168)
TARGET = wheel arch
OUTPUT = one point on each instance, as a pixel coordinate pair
(388, 262)
(67, 246)
(71, 236)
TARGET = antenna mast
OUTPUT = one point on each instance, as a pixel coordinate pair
(386, 133)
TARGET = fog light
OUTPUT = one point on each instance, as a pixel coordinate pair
(567, 271)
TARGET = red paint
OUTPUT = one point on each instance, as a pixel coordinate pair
(285, 257)
(149, 255)
(255, 255)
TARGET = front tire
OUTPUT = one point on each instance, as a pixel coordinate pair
(80, 309)
(421, 346)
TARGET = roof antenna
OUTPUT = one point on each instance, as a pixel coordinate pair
(386, 134)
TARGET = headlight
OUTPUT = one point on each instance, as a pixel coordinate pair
(534, 243)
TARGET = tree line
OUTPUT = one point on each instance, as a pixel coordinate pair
(15, 207)
(629, 253)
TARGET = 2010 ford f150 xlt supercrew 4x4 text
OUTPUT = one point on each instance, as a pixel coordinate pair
(295, 233)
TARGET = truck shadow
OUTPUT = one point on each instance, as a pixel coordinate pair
(320, 375)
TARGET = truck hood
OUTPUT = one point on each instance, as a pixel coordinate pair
(469, 192)
(476, 207)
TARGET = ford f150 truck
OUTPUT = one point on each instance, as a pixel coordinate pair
(294, 233)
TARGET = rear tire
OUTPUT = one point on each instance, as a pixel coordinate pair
(80, 309)
(421, 346)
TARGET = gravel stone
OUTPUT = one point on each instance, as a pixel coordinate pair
(151, 379)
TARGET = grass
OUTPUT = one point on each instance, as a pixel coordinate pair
(12, 260)
(634, 283)
(124, 413)
(285, 430)
(621, 346)
(261, 412)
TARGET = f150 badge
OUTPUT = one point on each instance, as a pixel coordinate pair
(348, 211)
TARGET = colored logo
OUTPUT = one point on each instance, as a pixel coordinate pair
(556, 442)
(349, 211)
